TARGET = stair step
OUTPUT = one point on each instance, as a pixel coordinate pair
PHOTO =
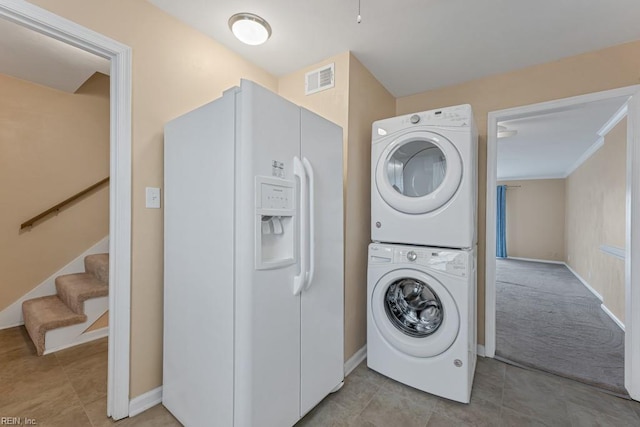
(98, 265)
(75, 289)
(46, 313)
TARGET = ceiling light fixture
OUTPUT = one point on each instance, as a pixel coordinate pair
(249, 28)
(503, 132)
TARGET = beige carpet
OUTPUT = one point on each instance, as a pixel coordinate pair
(66, 308)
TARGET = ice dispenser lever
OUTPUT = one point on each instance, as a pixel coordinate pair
(272, 224)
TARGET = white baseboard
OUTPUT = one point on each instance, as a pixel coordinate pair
(84, 338)
(584, 282)
(546, 261)
(355, 360)
(12, 315)
(612, 316)
(139, 404)
(480, 351)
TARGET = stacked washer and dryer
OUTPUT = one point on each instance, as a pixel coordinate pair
(421, 291)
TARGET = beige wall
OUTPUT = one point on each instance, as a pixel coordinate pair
(535, 219)
(595, 215)
(354, 103)
(368, 101)
(605, 69)
(175, 69)
(53, 144)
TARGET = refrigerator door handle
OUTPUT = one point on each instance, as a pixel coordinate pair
(299, 280)
(312, 222)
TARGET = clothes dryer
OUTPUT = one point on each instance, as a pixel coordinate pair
(421, 317)
(424, 178)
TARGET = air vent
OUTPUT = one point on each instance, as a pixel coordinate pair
(320, 79)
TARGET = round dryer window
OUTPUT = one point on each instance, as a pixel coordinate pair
(415, 313)
(418, 172)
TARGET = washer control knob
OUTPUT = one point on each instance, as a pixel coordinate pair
(378, 224)
(412, 256)
(415, 119)
(458, 363)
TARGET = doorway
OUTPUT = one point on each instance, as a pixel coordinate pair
(632, 336)
(44, 22)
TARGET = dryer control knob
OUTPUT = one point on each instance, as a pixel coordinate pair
(415, 119)
(458, 363)
(378, 224)
(412, 256)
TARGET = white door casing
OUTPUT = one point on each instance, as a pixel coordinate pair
(59, 28)
(632, 265)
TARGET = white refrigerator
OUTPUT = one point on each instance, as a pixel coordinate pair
(253, 261)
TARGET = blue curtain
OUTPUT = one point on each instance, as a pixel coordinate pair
(501, 224)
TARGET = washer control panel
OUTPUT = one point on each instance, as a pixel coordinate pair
(450, 261)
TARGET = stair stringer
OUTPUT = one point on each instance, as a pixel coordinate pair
(69, 336)
(12, 315)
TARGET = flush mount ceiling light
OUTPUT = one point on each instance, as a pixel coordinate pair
(249, 28)
(503, 132)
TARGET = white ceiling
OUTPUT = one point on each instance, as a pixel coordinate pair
(553, 145)
(415, 45)
(29, 55)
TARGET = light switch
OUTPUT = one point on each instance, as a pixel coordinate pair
(153, 197)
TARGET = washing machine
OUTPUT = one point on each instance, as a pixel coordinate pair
(424, 178)
(421, 317)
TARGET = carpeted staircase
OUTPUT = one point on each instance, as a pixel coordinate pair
(67, 307)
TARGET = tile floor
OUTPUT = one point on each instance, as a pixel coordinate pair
(63, 389)
(68, 389)
(503, 395)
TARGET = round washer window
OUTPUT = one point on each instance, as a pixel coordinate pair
(413, 307)
(416, 168)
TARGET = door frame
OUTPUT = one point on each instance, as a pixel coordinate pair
(51, 25)
(632, 245)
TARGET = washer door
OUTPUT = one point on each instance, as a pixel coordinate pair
(415, 313)
(418, 172)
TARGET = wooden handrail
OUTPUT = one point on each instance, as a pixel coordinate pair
(60, 205)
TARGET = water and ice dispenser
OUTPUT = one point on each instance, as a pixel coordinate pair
(275, 223)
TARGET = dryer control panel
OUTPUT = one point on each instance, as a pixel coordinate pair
(457, 116)
(456, 262)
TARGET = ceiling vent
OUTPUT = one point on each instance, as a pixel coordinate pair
(320, 79)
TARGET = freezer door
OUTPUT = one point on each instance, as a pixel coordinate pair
(267, 315)
(198, 265)
(322, 311)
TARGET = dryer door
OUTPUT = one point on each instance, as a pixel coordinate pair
(415, 313)
(418, 172)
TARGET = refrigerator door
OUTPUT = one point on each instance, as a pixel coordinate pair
(322, 311)
(267, 313)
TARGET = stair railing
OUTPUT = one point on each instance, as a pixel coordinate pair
(59, 206)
